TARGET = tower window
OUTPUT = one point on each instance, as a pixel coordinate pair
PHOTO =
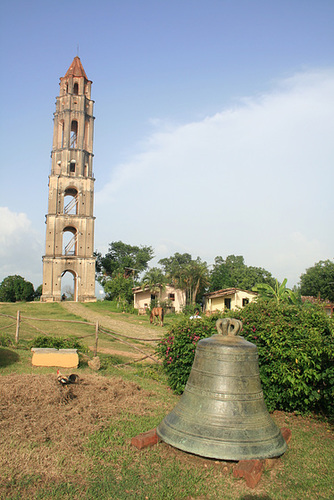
(72, 166)
(76, 89)
(61, 134)
(71, 197)
(86, 134)
(70, 238)
(74, 134)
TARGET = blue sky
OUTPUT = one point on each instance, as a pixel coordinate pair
(213, 132)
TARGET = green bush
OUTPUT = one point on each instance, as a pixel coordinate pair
(177, 348)
(190, 309)
(15, 288)
(295, 345)
(6, 340)
(58, 342)
(296, 349)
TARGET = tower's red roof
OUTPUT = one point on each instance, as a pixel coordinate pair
(76, 69)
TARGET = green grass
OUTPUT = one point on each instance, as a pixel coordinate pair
(30, 328)
(116, 470)
(37, 309)
(105, 307)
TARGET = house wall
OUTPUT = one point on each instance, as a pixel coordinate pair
(142, 298)
(180, 298)
(218, 303)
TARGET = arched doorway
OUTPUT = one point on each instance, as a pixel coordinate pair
(69, 286)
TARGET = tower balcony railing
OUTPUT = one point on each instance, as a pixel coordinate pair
(71, 204)
(69, 250)
(73, 141)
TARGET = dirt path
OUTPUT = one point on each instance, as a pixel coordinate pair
(137, 332)
(134, 331)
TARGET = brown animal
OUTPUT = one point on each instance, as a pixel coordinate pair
(157, 312)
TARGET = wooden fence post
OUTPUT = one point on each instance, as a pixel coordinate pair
(17, 327)
(96, 337)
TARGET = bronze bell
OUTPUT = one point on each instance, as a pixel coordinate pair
(222, 413)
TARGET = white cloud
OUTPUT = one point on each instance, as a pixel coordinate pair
(21, 247)
(243, 181)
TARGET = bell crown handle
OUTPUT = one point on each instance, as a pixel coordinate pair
(228, 326)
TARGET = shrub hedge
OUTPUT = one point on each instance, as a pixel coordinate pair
(295, 345)
(177, 348)
(58, 342)
(296, 349)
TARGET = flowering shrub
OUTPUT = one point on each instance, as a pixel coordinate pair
(295, 346)
(296, 350)
(177, 348)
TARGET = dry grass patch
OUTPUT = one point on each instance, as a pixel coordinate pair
(44, 426)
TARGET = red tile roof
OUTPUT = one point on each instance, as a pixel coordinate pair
(226, 291)
(76, 69)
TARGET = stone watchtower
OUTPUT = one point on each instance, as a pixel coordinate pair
(70, 220)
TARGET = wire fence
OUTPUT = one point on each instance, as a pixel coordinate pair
(21, 322)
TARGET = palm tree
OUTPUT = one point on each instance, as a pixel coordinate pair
(186, 274)
(279, 292)
(197, 278)
(155, 280)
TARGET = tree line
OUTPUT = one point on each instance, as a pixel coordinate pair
(125, 266)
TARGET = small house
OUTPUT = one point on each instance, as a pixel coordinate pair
(228, 298)
(174, 297)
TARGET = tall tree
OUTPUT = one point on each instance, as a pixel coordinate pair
(174, 265)
(319, 280)
(220, 276)
(197, 278)
(119, 269)
(233, 272)
(15, 288)
(123, 258)
(118, 288)
(155, 280)
(187, 274)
